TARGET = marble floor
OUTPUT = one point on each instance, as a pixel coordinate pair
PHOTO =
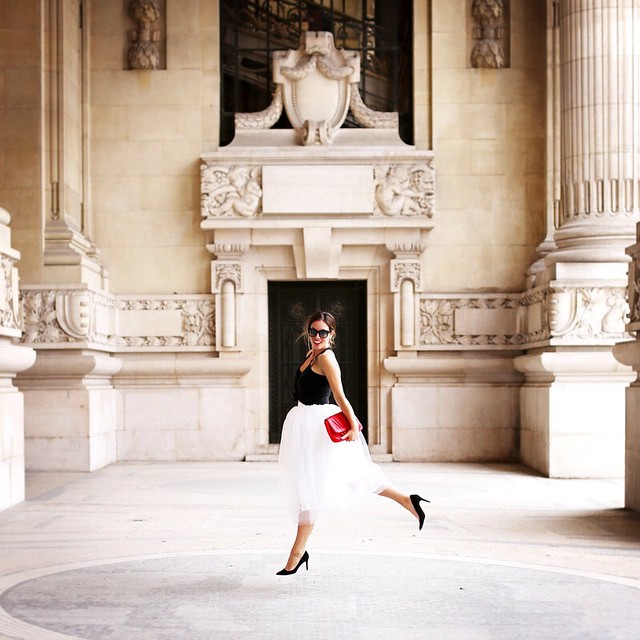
(189, 551)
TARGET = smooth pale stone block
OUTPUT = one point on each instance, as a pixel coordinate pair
(102, 450)
(222, 409)
(479, 407)
(460, 445)
(146, 446)
(56, 413)
(586, 456)
(219, 444)
(485, 321)
(587, 409)
(160, 409)
(336, 189)
(57, 454)
(150, 323)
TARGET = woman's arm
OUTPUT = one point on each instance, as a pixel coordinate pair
(329, 366)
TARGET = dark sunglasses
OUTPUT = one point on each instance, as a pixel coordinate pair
(323, 333)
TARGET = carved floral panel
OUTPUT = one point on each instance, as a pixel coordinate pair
(73, 316)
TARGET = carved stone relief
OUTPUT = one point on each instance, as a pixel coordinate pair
(588, 312)
(490, 34)
(143, 51)
(404, 270)
(562, 316)
(9, 296)
(316, 84)
(233, 191)
(405, 190)
(68, 316)
(438, 321)
(231, 271)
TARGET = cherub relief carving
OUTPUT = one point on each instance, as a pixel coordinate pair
(404, 190)
(229, 191)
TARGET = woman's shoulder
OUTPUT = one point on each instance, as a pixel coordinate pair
(327, 355)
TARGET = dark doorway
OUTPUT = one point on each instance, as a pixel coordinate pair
(289, 304)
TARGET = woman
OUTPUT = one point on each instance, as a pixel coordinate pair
(319, 474)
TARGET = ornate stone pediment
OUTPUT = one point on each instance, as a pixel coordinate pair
(316, 84)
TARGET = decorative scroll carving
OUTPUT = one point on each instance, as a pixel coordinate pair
(227, 271)
(316, 83)
(437, 321)
(230, 191)
(9, 295)
(74, 313)
(40, 318)
(369, 117)
(264, 119)
(490, 34)
(405, 190)
(588, 312)
(143, 52)
(403, 270)
(56, 317)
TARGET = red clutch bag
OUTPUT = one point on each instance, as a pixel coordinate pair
(337, 426)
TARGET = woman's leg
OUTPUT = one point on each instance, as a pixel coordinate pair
(400, 498)
(299, 545)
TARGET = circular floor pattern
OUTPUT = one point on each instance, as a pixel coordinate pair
(357, 596)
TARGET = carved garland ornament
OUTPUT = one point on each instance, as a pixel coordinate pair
(55, 317)
(437, 325)
(234, 191)
(405, 190)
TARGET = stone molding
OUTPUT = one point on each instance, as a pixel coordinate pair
(79, 317)
(400, 190)
(553, 316)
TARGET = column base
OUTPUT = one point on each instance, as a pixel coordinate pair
(572, 413)
(71, 411)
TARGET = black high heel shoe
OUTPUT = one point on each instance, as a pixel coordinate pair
(415, 501)
(303, 560)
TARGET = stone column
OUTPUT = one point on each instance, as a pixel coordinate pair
(12, 360)
(600, 121)
(576, 309)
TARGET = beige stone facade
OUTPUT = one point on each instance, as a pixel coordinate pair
(495, 289)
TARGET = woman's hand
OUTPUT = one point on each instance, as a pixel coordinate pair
(352, 434)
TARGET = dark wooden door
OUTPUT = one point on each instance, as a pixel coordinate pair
(289, 304)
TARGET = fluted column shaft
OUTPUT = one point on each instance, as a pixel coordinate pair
(600, 118)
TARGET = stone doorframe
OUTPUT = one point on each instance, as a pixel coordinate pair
(358, 210)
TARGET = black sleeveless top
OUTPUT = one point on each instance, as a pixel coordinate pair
(310, 387)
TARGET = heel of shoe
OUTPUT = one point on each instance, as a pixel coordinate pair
(415, 501)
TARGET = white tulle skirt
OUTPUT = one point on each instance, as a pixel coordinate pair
(318, 475)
